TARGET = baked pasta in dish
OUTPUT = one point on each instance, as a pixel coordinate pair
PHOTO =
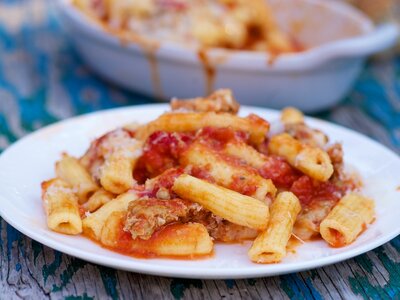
(233, 24)
(200, 174)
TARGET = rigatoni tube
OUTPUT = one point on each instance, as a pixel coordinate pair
(61, 206)
(312, 161)
(93, 224)
(347, 220)
(270, 245)
(225, 203)
(71, 171)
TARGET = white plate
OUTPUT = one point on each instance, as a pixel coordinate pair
(28, 162)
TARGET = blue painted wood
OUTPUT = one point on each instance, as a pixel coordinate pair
(42, 80)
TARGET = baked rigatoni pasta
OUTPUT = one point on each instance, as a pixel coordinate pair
(309, 220)
(116, 172)
(227, 204)
(270, 245)
(291, 115)
(61, 207)
(312, 161)
(294, 124)
(71, 171)
(246, 153)
(93, 224)
(97, 200)
(203, 175)
(347, 220)
(233, 24)
(181, 122)
(226, 173)
(221, 100)
(177, 240)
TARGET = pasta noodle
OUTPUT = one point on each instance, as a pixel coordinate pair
(61, 206)
(309, 220)
(116, 173)
(189, 239)
(186, 122)
(93, 224)
(225, 173)
(98, 199)
(270, 245)
(232, 206)
(312, 161)
(347, 220)
(70, 170)
(291, 115)
(246, 153)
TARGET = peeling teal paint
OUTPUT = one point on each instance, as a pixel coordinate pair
(178, 286)
(315, 294)
(365, 263)
(1, 230)
(288, 288)
(37, 249)
(66, 276)
(51, 269)
(391, 289)
(13, 236)
(396, 243)
(295, 288)
(392, 267)
(109, 278)
(371, 292)
(314, 274)
(83, 297)
(230, 283)
(356, 287)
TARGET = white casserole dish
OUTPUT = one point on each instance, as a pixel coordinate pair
(338, 38)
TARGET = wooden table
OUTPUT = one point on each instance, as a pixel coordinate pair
(42, 80)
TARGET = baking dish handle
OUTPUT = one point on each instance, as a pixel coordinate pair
(383, 37)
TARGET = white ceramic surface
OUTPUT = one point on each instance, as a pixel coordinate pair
(340, 39)
(24, 165)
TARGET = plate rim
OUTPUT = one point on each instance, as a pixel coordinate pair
(141, 266)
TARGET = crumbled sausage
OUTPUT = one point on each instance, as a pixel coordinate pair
(220, 101)
(145, 216)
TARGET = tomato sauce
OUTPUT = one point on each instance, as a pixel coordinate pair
(309, 190)
(258, 120)
(338, 237)
(243, 185)
(166, 180)
(263, 147)
(279, 171)
(202, 173)
(209, 70)
(162, 150)
(148, 248)
(217, 138)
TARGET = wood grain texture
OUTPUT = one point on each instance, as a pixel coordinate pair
(31, 270)
(42, 81)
